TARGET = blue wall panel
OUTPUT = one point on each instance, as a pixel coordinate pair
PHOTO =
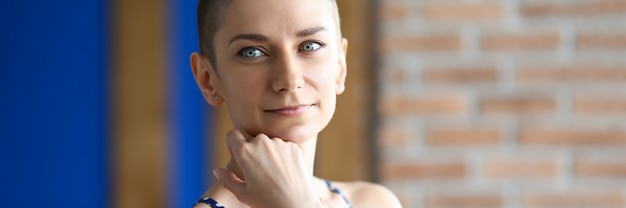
(53, 104)
(190, 113)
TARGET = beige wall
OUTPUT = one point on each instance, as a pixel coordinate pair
(503, 103)
(139, 147)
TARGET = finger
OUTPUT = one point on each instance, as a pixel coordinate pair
(260, 138)
(234, 138)
(246, 135)
(230, 181)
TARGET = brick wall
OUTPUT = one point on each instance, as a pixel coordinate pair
(503, 103)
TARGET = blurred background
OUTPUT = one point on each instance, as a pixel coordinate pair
(502, 103)
(449, 103)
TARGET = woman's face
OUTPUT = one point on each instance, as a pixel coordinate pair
(280, 66)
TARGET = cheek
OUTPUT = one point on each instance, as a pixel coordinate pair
(326, 74)
(244, 82)
(243, 103)
(245, 92)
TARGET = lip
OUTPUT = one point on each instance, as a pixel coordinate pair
(291, 110)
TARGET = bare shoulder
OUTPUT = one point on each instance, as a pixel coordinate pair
(366, 194)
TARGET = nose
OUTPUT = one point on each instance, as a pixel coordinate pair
(287, 75)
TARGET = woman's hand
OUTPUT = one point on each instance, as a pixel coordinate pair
(274, 170)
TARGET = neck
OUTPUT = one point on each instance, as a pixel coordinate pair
(308, 154)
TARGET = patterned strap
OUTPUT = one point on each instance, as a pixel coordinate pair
(333, 188)
(211, 202)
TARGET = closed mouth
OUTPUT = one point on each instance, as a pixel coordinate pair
(291, 110)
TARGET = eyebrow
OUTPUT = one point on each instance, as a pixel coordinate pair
(262, 38)
(310, 31)
(252, 37)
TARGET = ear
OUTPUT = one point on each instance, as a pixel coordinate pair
(206, 79)
(341, 80)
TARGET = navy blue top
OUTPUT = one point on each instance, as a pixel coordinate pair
(214, 204)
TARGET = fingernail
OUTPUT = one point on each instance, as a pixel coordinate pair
(215, 174)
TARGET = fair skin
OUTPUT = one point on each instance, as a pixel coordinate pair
(279, 67)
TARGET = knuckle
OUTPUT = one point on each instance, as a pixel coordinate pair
(230, 133)
(292, 147)
(246, 150)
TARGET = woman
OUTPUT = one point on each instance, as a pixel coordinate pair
(278, 66)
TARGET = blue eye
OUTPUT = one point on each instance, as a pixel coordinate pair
(311, 46)
(251, 53)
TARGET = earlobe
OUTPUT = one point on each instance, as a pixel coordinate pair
(343, 73)
(205, 79)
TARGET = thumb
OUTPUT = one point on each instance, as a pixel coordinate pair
(230, 181)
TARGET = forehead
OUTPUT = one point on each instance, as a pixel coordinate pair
(276, 17)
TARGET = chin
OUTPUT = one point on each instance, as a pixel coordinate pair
(296, 134)
(297, 137)
(296, 131)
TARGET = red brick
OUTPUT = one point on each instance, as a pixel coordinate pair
(615, 169)
(518, 105)
(571, 136)
(394, 136)
(461, 75)
(521, 168)
(464, 201)
(520, 41)
(553, 47)
(601, 41)
(596, 105)
(581, 73)
(586, 199)
(463, 11)
(393, 12)
(394, 75)
(424, 43)
(423, 106)
(463, 136)
(574, 8)
(423, 170)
